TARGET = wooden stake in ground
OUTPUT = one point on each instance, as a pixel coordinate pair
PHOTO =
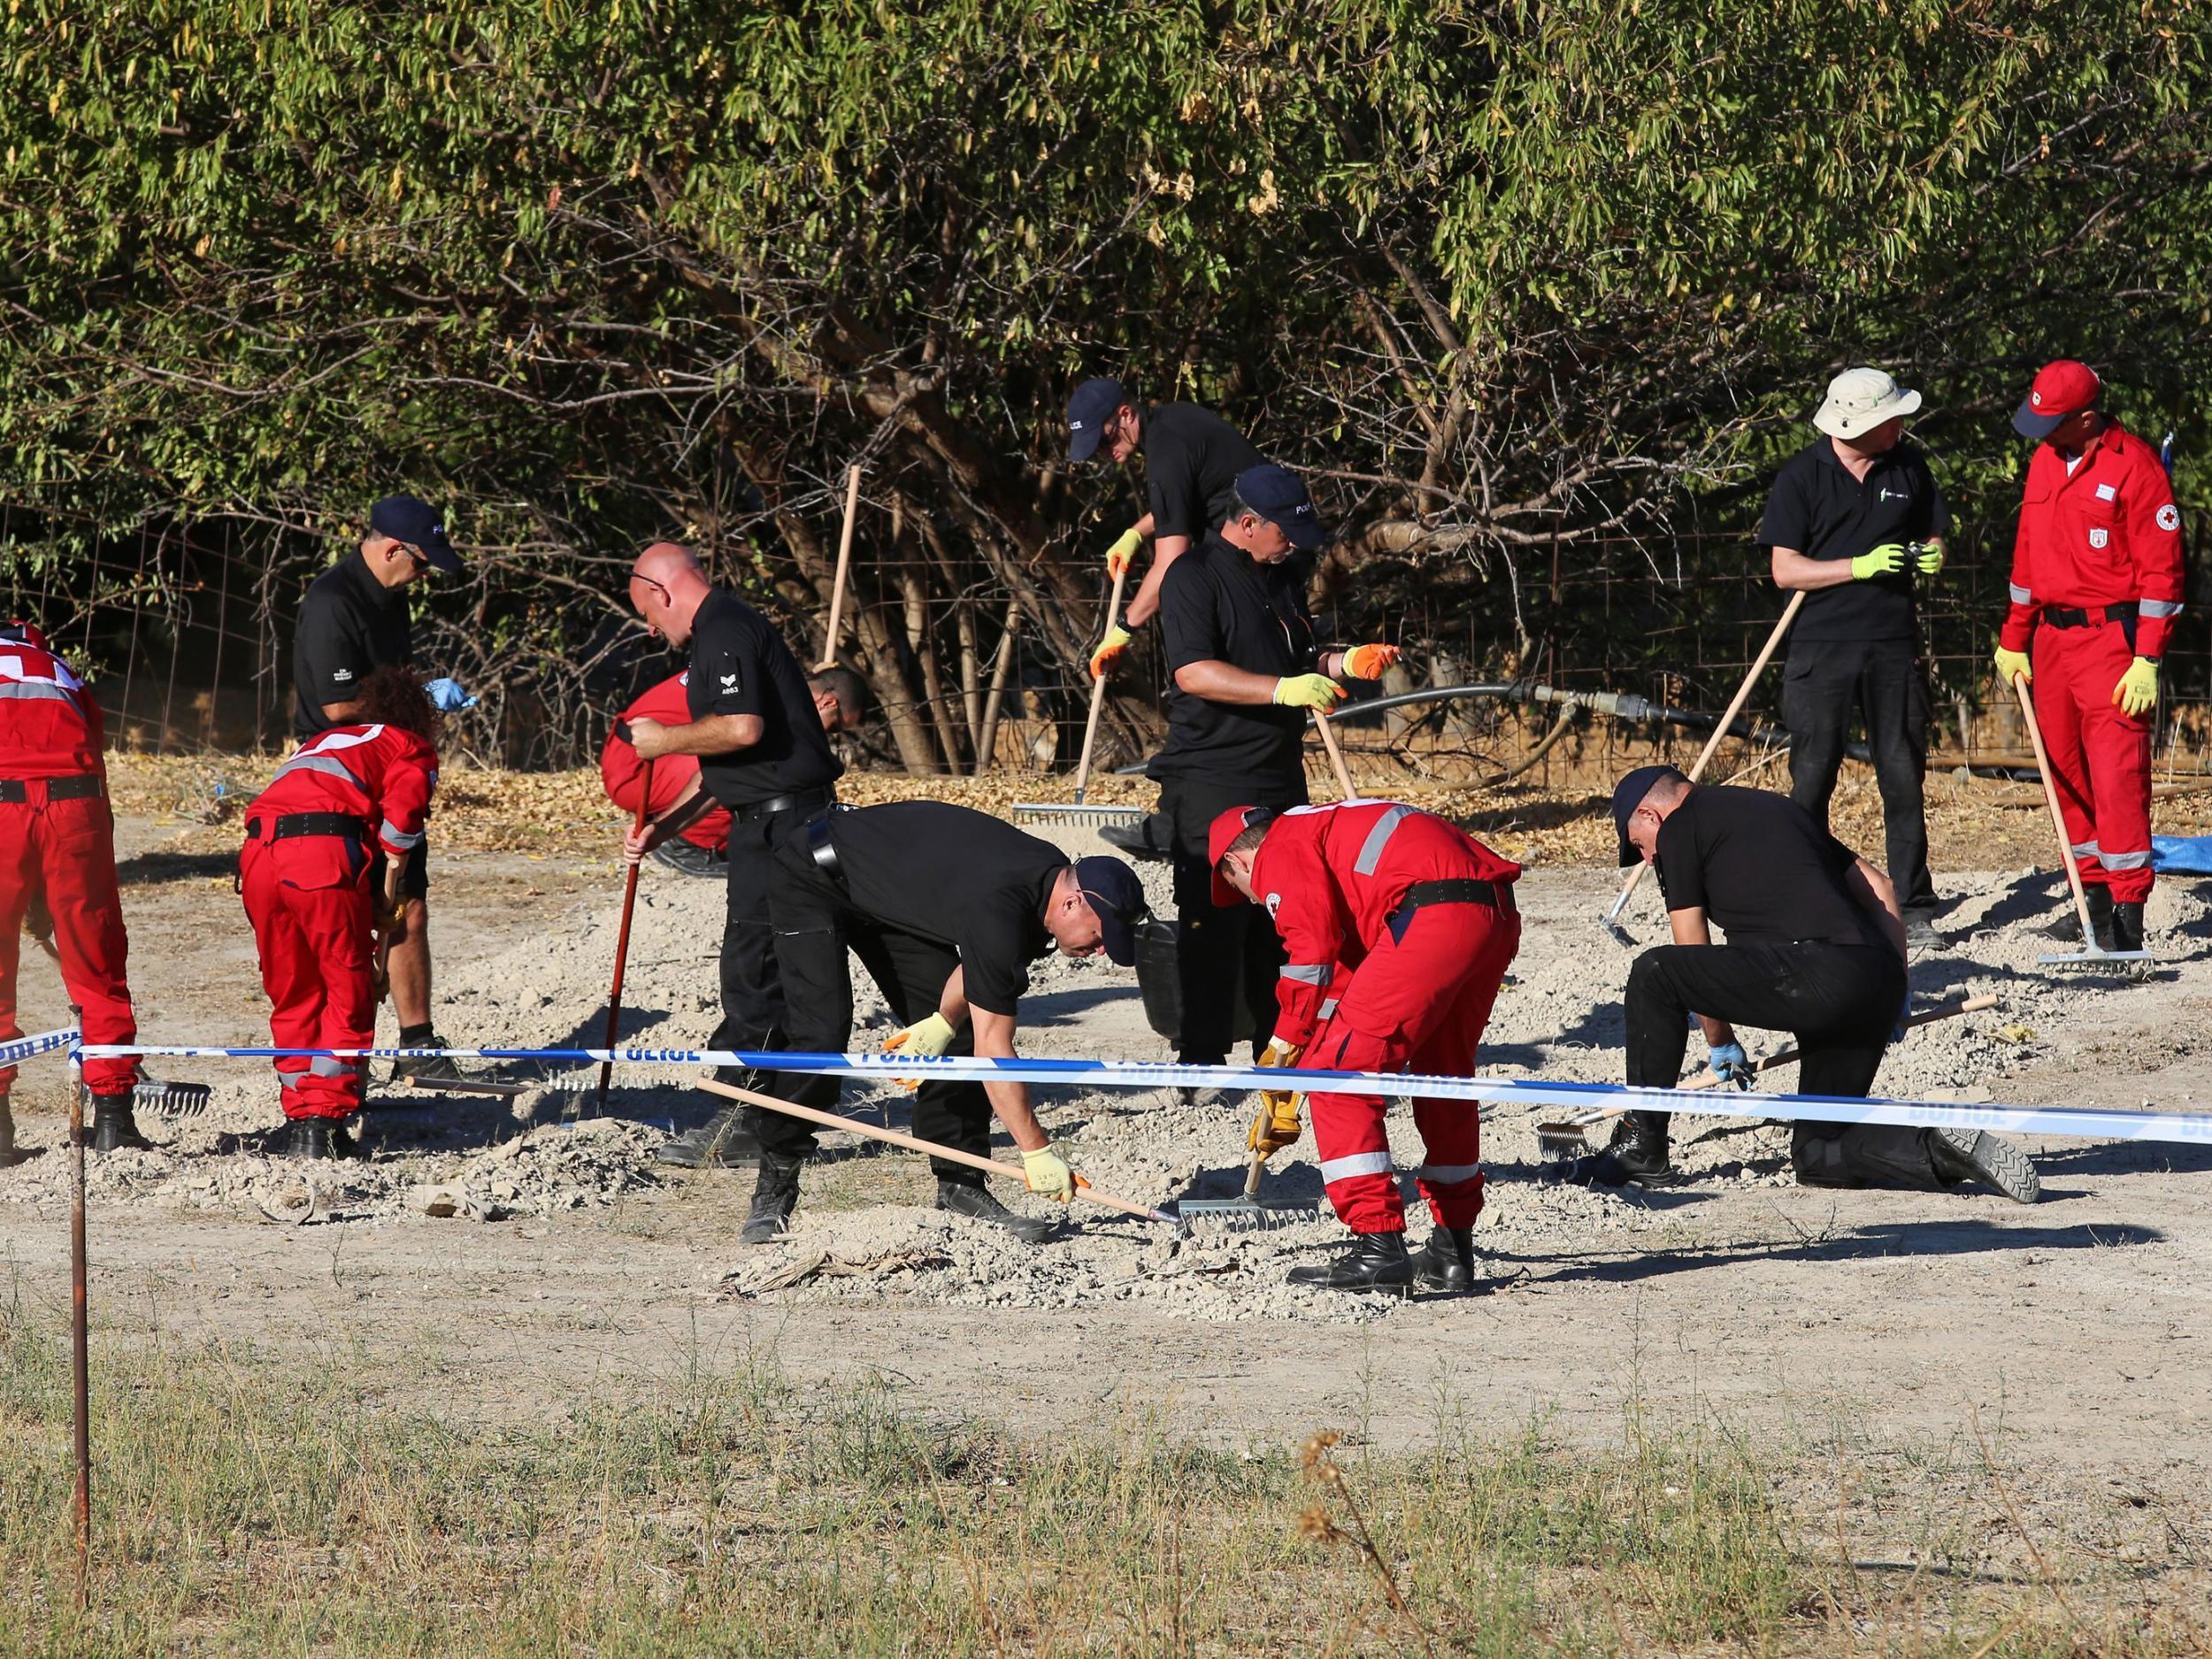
(914, 1143)
(622, 939)
(1612, 918)
(844, 563)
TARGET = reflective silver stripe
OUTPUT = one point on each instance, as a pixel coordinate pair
(1306, 973)
(399, 838)
(2160, 607)
(27, 691)
(2125, 861)
(1371, 850)
(1449, 1174)
(1334, 1170)
(2020, 595)
(318, 763)
(1328, 1010)
(2087, 849)
(327, 1065)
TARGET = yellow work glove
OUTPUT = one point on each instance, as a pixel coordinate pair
(1307, 691)
(929, 1036)
(1885, 560)
(2136, 693)
(1368, 662)
(1046, 1173)
(1927, 556)
(1110, 648)
(1124, 550)
(1277, 1124)
(2012, 665)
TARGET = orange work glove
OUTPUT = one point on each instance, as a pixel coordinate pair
(1369, 662)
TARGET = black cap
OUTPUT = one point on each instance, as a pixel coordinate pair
(1278, 496)
(1091, 407)
(1628, 794)
(1116, 898)
(417, 523)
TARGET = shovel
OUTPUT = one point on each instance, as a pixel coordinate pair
(2091, 953)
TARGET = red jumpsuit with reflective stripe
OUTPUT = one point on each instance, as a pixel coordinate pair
(1371, 986)
(2106, 533)
(62, 851)
(621, 770)
(314, 917)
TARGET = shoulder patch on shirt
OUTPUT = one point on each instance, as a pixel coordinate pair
(684, 679)
(1274, 904)
(729, 682)
(2169, 517)
(341, 674)
(2108, 492)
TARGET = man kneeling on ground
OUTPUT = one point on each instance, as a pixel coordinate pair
(1816, 947)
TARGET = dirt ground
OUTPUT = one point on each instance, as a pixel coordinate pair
(2069, 1335)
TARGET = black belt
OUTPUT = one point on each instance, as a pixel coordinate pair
(83, 785)
(798, 801)
(823, 850)
(296, 824)
(2067, 617)
(1458, 890)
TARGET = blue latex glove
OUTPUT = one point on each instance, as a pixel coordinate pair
(1731, 1064)
(447, 697)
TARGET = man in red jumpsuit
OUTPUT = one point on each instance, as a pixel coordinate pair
(58, 847)
(1399, 927)
(700, 847)
(2096, 585)
(312, 837)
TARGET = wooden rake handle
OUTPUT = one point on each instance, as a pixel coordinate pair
(915, 1143)
(2058, 816)
(844, 563)
(1098, 693)
(1336, 755)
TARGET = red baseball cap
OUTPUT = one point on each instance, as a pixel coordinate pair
(1226, 829)
(2061, 390)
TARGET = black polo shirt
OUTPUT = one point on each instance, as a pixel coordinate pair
(1218, 604)
(1819, 508)
(740, 665)
(349, 624)
(960, 877)
(1192, 457)
(1760, 868)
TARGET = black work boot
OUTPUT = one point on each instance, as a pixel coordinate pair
(2068, 926)
(113, 1128)
(1975, 1155)
(1447, 1263)
(7, 1132)
(1377, 1261)
(2125, 929)
(726, 1140)
(1636, 1152)
(688, 858)
(975, 1203)
(318, 1139)
(775, 1195)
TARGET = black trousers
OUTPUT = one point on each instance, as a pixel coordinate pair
(1840, 1001)
(815, 922)
(752, 989)
(1227, 960)
(1886, 682)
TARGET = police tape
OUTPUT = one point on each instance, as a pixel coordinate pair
(2087, 1122)
(37, 1043)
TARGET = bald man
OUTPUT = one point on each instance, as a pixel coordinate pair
(758, 728)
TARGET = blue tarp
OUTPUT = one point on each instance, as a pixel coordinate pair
(2182, 855)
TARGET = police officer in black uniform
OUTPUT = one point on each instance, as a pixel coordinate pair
(764, 753)
(1816, 947)
(352, 620)
(1854, 519)
(1247, 672)
(946, 907)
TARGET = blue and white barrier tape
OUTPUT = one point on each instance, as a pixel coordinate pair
(37, 1043)
(2093, 1123)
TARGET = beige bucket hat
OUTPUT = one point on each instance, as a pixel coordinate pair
(1860, 400)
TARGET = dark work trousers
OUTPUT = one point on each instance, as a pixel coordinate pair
(815, 922)
(752, 991)
(1227, 960)
(1840, 1001)
(1886, 682)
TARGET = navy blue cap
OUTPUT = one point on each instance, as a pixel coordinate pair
(1278, 496)
(1089, 409)
(1628, 795)
(1116, 898)
(418, 524)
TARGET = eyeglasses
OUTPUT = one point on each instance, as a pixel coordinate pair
(639, 576)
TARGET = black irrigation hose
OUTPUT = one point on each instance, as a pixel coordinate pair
(1618, 705)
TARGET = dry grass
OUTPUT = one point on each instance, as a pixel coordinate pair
(246, 1508)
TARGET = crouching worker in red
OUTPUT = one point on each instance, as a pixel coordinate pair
(1399, 927)
(310, 839)
(57, 858)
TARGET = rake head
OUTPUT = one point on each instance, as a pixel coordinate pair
(172, 1102)
(1239, 1215)
(1555, 1143)
(1076, 813)
(2090, 956)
